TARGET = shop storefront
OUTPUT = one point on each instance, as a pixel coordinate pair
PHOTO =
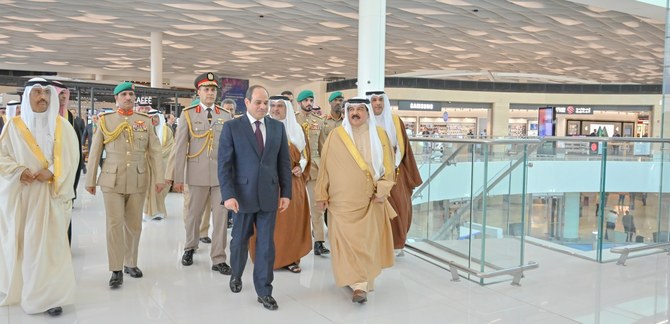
(607, 121)
(444, 119)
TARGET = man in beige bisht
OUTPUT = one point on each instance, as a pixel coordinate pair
(154, 205)
(354, 182)
(39, 156)
(407, 174)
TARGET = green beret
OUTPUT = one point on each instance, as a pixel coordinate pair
(335, 95)
(304, 94)
(124, 86)
(195, 101)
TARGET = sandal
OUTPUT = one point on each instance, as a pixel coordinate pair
(293, 268)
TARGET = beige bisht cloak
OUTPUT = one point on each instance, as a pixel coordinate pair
(35, 261)
(155, 201)
(359, 228)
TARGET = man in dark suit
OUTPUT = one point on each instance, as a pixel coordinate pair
(255, 178)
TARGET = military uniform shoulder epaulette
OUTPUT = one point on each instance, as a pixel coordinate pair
(142, 114)
(190, 107)
(318, 116)
(107, 113)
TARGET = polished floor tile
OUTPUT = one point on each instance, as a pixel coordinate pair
(565, 289)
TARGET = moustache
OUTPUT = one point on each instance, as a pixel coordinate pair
(355, 117)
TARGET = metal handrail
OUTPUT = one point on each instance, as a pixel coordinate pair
(625, 251)
(531, 140)
(454, 267)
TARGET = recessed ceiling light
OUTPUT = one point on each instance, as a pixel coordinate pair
(171, 33)
(528, 4)
(181, 46)
(232, 34)
(455, 2)
(332, 24)
(424, 11)
(203, 18)
(196, 27)
(20, 29)
(396, 25)
(132, 44)
(192, 6)
(351, 15)
(322, 39)
(58, 37)
(290, 29)
(566, 21)
(233, 5)
(275, 4)
(29, 19)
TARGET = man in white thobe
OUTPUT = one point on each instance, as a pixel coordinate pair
(38, 161)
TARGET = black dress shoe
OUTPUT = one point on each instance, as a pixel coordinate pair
(319, 248)
(55, 311)
(133, 272)
(116, 280)
(187, 258)
(223, 268)
(206, 240)
(235, 284)
(268, 302)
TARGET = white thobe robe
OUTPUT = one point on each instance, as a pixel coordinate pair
(35, 261)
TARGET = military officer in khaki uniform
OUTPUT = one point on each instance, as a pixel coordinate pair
(169, 177)
(196, 152)
(333, 119)
(128, 139)
(311, 123)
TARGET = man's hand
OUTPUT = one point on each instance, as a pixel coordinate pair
(168, 182)
(27, 177)
(283, 204)
(178, 187)
(160, 187)
(43, 175)
(379, 200)
(297, 171)
(91, 190)
(231, 204)
(322, 205)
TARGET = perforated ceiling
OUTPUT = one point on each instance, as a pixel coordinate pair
(307, 40)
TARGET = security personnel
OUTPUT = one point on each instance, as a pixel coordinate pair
(312, 123)
(130, 142)
(196, 152)
(333, 119)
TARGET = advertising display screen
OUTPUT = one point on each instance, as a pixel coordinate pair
(545, 121)
(546, 126)
(235, 89)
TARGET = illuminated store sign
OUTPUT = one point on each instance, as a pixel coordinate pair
(420, 105)
(574, 110)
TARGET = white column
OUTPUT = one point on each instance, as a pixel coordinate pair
(156, 59)
(371, 45)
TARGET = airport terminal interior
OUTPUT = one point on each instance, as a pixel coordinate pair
(536, 127)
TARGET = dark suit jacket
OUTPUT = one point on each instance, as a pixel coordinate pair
(255, 181)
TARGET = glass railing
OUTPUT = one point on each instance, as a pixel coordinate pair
(483, 200)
